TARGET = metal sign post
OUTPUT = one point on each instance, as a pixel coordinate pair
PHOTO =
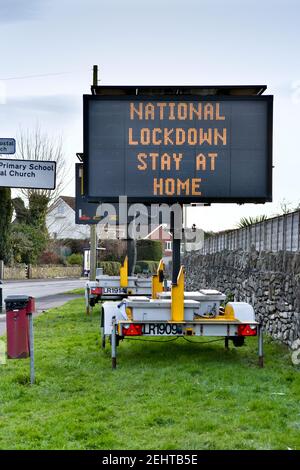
(31, 349)
(176, 248)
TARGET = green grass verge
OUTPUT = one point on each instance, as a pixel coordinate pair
(162, 396)
(76, 291)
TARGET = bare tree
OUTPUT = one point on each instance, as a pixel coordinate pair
(39, 146)
(286, 207)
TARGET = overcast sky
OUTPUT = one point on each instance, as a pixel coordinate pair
(151, 42)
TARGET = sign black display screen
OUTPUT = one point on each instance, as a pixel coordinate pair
(188, 149)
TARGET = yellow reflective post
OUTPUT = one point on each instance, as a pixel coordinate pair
(229, 313)
(124, 273)
(81, 180)
(177, 293)
(157, 280)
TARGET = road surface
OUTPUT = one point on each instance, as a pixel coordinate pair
(49, 293)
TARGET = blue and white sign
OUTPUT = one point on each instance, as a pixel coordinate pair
(32, 174)
(7, 146)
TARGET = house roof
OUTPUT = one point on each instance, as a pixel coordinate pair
(69, 200)
(161, 226)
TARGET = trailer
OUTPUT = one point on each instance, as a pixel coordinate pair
(179, 314)
(118, 287)
(127, 308)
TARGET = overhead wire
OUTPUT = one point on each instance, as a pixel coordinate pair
(41, 75)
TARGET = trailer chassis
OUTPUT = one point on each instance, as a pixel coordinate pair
(217, 328)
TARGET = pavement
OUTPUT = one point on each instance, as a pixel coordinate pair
(49, 293)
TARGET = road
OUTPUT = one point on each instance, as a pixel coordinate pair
(49, 293)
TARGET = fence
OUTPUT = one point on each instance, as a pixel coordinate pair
(276, 234)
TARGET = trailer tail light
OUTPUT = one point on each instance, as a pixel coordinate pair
(96, 290)
(247, 330)
(133, 330)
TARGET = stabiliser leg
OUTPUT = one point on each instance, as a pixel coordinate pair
(260, 347)
(113, 344)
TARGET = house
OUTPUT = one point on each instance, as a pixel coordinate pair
(61, 224)
(60, 220)
(193, 242)
(162, 234)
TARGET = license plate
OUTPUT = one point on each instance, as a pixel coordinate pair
(114, 290)
(162, 329)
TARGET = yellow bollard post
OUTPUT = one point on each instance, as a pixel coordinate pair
(124, 273)
(177, 294)
(157, 280)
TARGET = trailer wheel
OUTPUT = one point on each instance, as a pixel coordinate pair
(238, 341)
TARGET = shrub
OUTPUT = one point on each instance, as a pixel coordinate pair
(74, 245)
(146, 266)
(28, 243)
(48, 257)
(149, 250)
(111, 268)
(137, 269)
(75, 259)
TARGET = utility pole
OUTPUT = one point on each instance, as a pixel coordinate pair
(93, 227)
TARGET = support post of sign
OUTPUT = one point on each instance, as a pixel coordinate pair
(176, 247)
(131, 253)
(87, 300)
(184, 226)
(93, 228)
(93, 255)
(31, 349)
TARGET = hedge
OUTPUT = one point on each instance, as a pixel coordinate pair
(149, 250)
(146, 266)
(111, 268)
(137, 269)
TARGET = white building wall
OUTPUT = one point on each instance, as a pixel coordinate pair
(61, 223)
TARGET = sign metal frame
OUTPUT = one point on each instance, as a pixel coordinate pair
(184, 98)
(14, 142)
(30, 187)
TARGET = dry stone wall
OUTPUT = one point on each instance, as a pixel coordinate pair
(269, 281)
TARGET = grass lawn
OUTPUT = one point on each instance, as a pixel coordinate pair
(80, 291)
(162, 396)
